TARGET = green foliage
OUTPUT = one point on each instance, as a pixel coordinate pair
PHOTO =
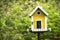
(14, 18)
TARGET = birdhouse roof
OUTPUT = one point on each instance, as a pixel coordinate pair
(39, 7)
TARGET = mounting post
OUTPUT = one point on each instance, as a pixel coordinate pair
(38, 35)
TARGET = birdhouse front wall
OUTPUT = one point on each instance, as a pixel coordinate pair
(38, 16)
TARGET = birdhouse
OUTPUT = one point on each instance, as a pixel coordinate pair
(38, 19)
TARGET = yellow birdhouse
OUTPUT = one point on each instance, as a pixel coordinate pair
(38, 19)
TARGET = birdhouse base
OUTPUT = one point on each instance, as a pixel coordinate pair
(38, 30)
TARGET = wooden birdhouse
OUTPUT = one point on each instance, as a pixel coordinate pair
(38, 19)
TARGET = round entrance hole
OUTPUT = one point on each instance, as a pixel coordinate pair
(38, 12)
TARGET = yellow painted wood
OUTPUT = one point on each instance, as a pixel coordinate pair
(40, 16)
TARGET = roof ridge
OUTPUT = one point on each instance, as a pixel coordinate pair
(40, 9)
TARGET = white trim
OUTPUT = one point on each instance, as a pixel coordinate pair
(39, 30)
(45, 22)
(40, 9)
(32, 26)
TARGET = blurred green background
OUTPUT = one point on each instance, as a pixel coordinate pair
(14, 19)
